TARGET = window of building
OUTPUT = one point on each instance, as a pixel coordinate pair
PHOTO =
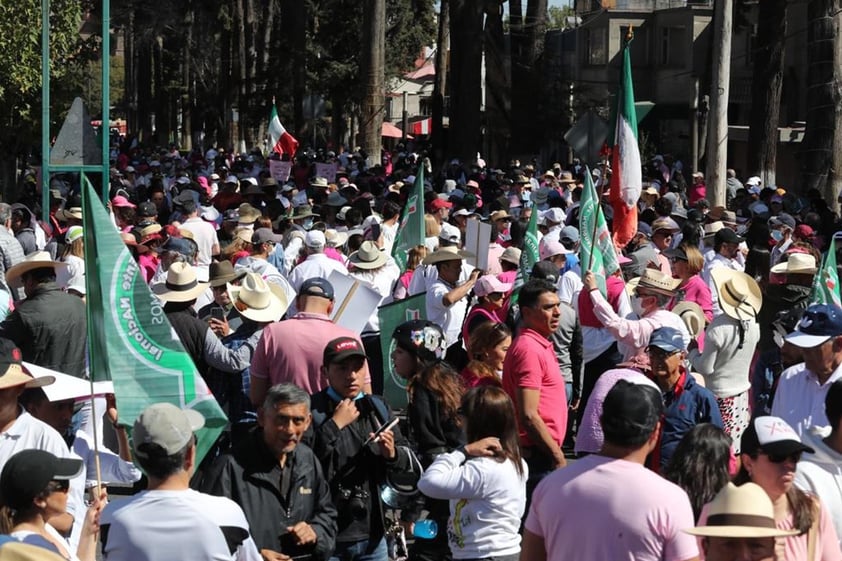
(673, 46)
(596, 46)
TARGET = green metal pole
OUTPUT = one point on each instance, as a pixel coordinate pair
(106, 98)
(45, 110)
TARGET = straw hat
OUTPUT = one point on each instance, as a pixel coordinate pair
(712, 228)
(319, 182)
(13, 372)
(37, 260)
(258, 300)
(334, 238)
(739, 294)
(73, 212)
(741, 512)
(796, 263)
(657, 281)
(692, 316)
(449, 253)
(181, 286)
(248, 214)
(369, 256)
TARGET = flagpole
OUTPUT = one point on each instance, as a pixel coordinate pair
(94, 421)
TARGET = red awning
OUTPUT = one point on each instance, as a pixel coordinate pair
(422, 127)
(391, 131)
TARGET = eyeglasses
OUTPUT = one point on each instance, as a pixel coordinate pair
(795, 457)
(659, 353)
(58, 486)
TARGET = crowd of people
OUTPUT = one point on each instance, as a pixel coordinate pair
(687, 405)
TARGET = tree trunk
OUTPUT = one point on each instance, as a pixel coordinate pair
(717, 147)
(466, 79)
(438, 138)
(187, 80)
(834, 184)
(130, 73)
(527, 39)
(242, 73)
(144, 90)
(822, 98)
(294, 29)
(497, 86)
(373, 65)
(162, 111)
(766, 100)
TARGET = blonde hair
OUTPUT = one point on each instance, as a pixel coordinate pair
(415, 256)
(76, 247)
(431, 226)
(695, 259)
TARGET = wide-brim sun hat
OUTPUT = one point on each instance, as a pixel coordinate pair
(743, 511)
(258, 300)
(739, 294)
(796, 264)
(654, 280)
(450, 253)
(181, 285)
(74, 212)
(369, 256)
(692, 315)
(37, 260)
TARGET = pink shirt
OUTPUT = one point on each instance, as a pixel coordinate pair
(291, 351)
(599, 508)
(696, 290)
(531, 363)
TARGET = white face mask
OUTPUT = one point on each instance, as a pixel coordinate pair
(637, 306)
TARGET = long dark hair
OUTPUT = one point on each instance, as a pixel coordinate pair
(699, 464)
(490, 412)
(802, 505)
(444, 382)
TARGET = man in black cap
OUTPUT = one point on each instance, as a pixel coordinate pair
(290, 351)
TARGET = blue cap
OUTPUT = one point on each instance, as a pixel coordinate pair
(667, 339)
(316, 286)
(819, 323)
(184, 246)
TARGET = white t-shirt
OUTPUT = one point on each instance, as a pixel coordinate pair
(184, 525)
(316, 265)
(448, 318)
(205, 237)
(601, 508)
(487, 500)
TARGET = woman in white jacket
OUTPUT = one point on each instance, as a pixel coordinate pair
(485, 481)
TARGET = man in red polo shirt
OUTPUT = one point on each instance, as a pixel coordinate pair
(533, 379)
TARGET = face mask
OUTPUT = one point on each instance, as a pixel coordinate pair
(777, 235)
(637, 306)
(308, 223)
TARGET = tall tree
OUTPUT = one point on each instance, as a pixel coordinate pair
(766, 101)
(717, 141)
(527, 33)
(824, 106)
(465, 77)
(373, 66)
(440, 85)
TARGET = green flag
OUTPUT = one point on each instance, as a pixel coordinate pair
(392, 315)
(826, 282)
(411, 231)
(528, 255)
(131, 342)
(596, 249)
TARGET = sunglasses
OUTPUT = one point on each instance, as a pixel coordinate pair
(795, 457)
(58, 486)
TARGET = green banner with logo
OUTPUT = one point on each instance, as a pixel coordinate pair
(411, 231)
(131, 341)
(392, 315)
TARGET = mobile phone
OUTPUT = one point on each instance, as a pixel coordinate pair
(217, 313)
(381, 430)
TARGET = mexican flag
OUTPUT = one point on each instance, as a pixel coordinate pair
(626, 177)
(596, 249)
(282, 141)
(528, 256)
(130, 339)
(826, 282)
(411, 231)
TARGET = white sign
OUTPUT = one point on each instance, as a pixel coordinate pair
(280, 170)
(354, 302)
(328, 171)
(67, 386)
(477, 239)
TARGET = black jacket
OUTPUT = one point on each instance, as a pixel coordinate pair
(348, 464)
(251, 477)
(50, 329)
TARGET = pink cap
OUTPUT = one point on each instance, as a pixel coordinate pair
(549, 248)
(489, 283)
(121, 202)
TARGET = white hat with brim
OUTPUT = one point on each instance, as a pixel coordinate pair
(258, 300)
(797, 264)
(743, 511)
(69, 213)
(692, 315)
(450, 253)
(181, 285)
(369, 256)
(334, 238)
(38, 260)
(739, 294)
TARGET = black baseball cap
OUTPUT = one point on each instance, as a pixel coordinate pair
(316, 286)
(147, 209)
(726, 235)
(27, 474)
(342, 348)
